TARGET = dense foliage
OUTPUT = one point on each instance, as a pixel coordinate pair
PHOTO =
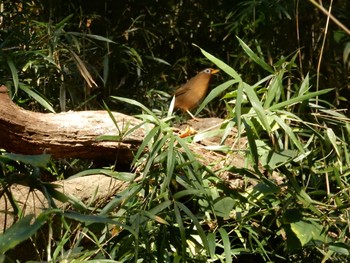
(283, 87)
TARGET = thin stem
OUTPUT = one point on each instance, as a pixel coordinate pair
(322, 49)
(336, 21)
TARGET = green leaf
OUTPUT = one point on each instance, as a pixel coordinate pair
(181, 229)
(97, 37)
(212, 243)
(41, 160)
(214, 93)
(147, 141)
(222, 65)
(340, 248)
(170, 163)
(290, 133)
(224, 206)
(159, 60)
(41, 100)
(207, 135)
(346, 53)
(123, 176)
(90, 219)
(194, 219)
(136, 103)
(238, 106)
(276, 159)
(191, 192)
(14, 73)
(304, 87)
(121, 198)
(307, 231)
(227, 244)
(274, 89)
(298, 99)
(20, 231)
(333, 139)
(61, 24)
(254, 57)
(153, 213)
(258, 108)
(5, 259)
(252, 143)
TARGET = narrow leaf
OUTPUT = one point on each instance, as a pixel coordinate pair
(194, 219)
(298, 99)
(227, 245)
(222, 65)
(259, 110)
(13, 73)
(36, 97)
(215, 93)
(255, 57)
(20, 231)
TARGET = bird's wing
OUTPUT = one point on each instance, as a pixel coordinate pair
(181, 90)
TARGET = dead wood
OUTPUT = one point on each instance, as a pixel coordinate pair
(94, 190)
(66, 134)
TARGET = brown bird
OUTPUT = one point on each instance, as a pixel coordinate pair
(189, 95)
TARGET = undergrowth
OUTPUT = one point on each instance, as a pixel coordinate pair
(293, 205)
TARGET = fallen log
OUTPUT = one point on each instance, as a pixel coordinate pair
(66, 134)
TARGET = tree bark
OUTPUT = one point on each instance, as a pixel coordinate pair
(66, 134)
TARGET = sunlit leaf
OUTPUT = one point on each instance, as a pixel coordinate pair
(222, 65)
(36, 97)
(307, 231)
(215, 93)
(255, 57)
(258, 108)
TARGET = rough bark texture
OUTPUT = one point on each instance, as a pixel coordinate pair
(67, 134)
(93, 189)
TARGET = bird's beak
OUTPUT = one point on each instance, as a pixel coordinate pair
(214, 71)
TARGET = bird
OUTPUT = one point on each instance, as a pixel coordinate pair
(190, 94)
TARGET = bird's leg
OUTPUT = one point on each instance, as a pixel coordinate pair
(194, 118)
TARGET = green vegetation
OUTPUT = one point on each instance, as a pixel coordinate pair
(282, 89)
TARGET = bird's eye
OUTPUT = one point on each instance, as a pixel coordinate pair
(207, 70)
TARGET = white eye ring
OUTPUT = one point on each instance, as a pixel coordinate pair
(207, 71)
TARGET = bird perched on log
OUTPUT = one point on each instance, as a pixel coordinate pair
(189, 95)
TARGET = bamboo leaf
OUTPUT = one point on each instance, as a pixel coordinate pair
(222, 65)
(36, 97)
(258, 108)
(199, 228)
(298, 99)
(215, 93)
(255, 57)
(227, 244)
(14, 73)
